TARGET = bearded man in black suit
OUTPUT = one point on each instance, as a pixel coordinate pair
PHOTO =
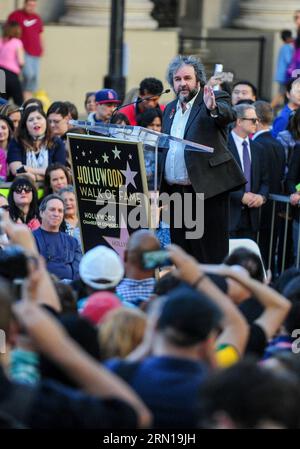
(200, 115)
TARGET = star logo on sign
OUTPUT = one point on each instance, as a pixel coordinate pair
(119, 244)
(116, 153)
(96, 161)
(129, 175)
(129, 156)
(89, 161)
(105, 158)
(83, 153)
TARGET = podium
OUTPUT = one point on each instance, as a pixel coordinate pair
(115, 172)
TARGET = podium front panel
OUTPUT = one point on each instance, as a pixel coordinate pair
(111, 189)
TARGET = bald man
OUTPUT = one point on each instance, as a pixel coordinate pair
(138, 283)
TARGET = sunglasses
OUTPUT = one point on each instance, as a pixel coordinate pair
(19, 189)
(253, 120)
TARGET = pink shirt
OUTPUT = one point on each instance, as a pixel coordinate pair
(3, 165)
(9, 55)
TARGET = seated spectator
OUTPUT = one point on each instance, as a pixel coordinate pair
(58, 118)
(13, 113)
(120, 332)
(34, 148)
(23, 203)
(71, 215)
(89, 102)
(6, 134)
(56, 178)
(138, 283)
(100, 269)
(61, 251)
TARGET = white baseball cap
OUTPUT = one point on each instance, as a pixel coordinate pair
(101, 268)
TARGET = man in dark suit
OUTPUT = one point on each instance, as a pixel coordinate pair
(275, 165)
(245, 202)
(199, 115)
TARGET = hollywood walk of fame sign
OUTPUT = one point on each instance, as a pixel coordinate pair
(111, 189)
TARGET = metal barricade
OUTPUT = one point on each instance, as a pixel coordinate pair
(273, 246)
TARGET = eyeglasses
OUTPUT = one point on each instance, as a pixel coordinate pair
(19, 189)
(5, 207)
(253, 120)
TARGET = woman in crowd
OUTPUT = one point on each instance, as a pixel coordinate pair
(13, 112)
(90, 103)
(23, 203)
(56, 178)
(34, 148)
(6, 133)
(70, 217)
(12, 61)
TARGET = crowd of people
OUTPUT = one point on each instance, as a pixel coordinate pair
(96, 341)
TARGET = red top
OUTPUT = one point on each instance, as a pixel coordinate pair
(130, 112)
(32, 27)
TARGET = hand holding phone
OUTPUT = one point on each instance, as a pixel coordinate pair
(156, 259)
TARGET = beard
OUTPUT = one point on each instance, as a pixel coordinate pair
(187, 97)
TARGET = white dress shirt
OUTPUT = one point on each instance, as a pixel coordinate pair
(239, 145)
(175, 168)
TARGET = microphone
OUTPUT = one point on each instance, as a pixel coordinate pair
(138, 100)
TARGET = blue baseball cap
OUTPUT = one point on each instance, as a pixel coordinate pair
(107, 96)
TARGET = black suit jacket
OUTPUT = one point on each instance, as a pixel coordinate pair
(275, 161)
(259, 184)
(214, 173)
